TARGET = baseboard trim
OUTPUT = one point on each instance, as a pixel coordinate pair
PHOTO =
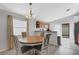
(1, 50)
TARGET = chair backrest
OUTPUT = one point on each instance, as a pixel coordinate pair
(17, 45)
(24, 34)
(45, 42)
(53, 39)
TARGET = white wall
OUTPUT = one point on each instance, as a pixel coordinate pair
(32, 26)
(3, 31)
(3, 28)
(72, 30)
(57, 25)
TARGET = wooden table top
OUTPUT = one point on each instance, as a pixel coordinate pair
(35, 39)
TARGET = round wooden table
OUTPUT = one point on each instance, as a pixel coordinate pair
(31, 40)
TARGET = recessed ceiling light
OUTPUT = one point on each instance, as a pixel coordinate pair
(67, 10)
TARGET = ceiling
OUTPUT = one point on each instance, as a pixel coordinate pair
(43, 11)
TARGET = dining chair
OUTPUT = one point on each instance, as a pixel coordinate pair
(24, 34)
(18, 47)
(45, 45)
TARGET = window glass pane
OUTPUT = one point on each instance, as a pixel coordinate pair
(19, 23)
(65, 30)
(19, 26)
(17, 31)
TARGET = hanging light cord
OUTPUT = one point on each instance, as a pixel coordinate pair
(30, 4)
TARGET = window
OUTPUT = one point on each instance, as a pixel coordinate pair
(19, 26)
(65, 30)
